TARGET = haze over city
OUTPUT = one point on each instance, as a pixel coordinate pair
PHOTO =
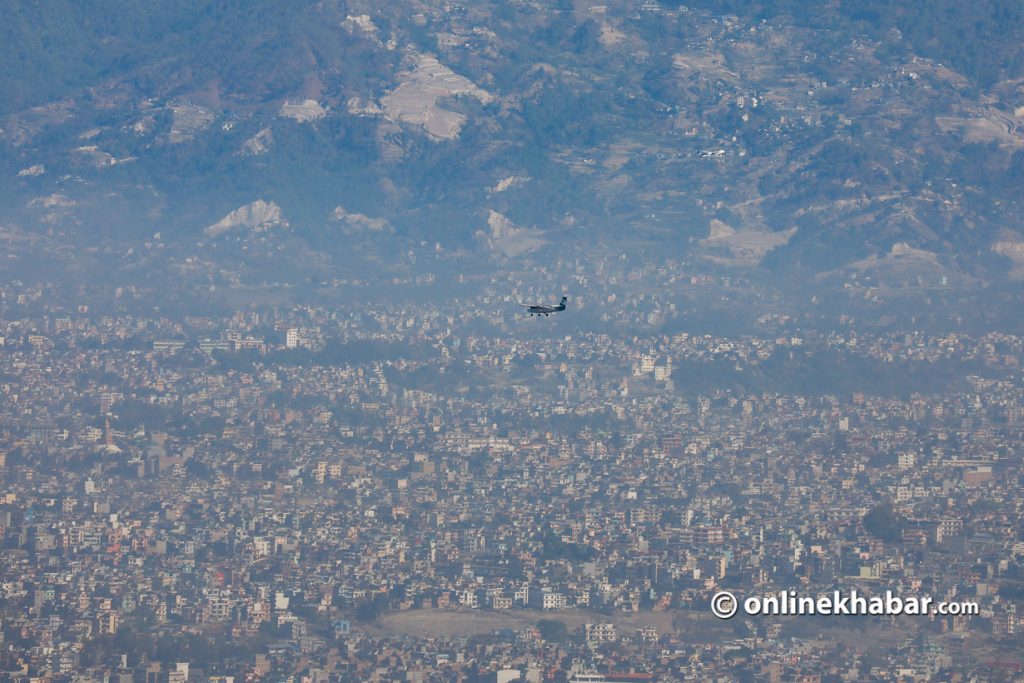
(511, 341)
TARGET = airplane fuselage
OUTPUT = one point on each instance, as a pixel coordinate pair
(539, 309)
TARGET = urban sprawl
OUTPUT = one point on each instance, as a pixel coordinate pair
(414, 492)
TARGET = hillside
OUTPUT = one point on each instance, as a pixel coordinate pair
(869, 135)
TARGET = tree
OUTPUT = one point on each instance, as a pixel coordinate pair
(883, 522)
(553, 630)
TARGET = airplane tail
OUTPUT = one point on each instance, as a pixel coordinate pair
(561, 305)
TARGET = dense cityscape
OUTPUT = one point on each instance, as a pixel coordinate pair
(450, 491)
(569, 341)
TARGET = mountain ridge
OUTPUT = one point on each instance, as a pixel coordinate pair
(631, 121)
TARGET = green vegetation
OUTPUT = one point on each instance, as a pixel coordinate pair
(554, 548)
(49, 49)
(553, 630)
(610, 140)
(983, 40)
(139, 643)
(883, 522)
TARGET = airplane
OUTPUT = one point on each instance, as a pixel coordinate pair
(541, 309)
